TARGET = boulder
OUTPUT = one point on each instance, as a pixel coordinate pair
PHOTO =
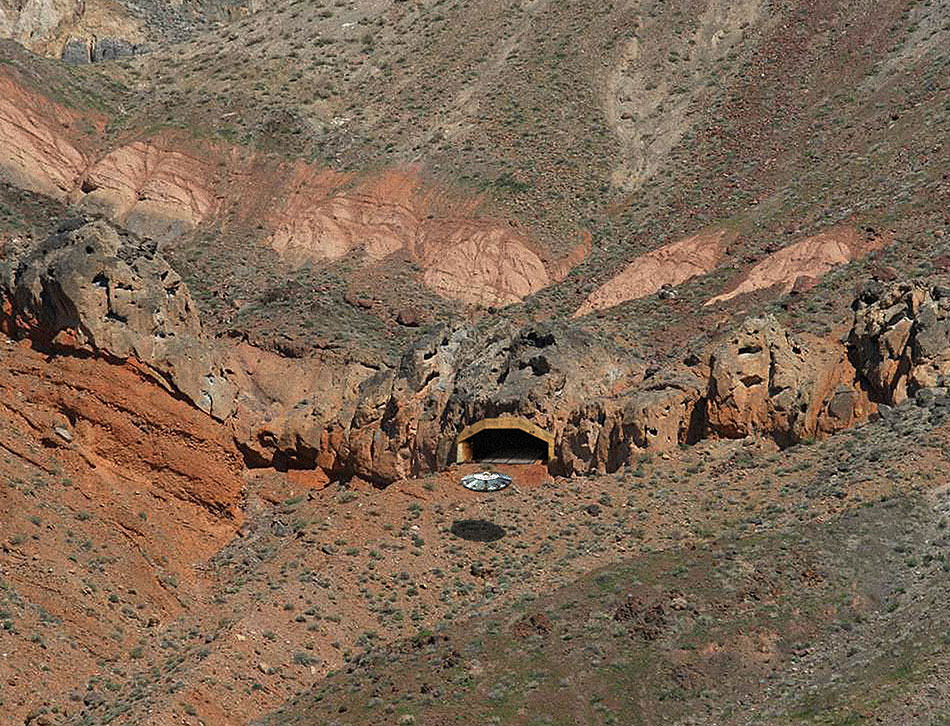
(409, 317)
(90, 288)
(758, 381)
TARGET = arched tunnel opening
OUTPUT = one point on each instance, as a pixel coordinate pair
(504, 440)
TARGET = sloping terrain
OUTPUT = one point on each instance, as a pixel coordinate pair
(340, 86)
(260, 265)
(662, 268)
(227, 617)
(782, 628)
(113, 492)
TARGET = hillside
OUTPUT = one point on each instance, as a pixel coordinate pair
(265, 267)
(729, 133)
(780, 628)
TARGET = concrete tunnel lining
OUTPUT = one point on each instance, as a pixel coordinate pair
(489, 433)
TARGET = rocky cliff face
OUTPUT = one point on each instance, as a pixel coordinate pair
(404, 422)
(91, 31)
(81, 51)
(60, 27)
(764, 381)
(411, 419)
(90, 289)
(900, 341)
(601, 407)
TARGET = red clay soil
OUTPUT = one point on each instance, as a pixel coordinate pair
(112, 492)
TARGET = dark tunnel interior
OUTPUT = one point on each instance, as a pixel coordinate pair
(507, 446)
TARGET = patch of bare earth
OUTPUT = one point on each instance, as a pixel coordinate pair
(801, 265)
(670, 265)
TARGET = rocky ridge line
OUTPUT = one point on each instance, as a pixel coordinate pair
(90, 289)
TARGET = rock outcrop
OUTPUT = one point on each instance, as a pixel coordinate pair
(82, 51)
(88, 288)
(900, 341)
(600, 407)
(668, 410)
(91, 289)
(764, 381)
(58, 27)
(407, 420)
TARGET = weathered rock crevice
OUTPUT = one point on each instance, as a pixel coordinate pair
(83, 51)
(900, 342)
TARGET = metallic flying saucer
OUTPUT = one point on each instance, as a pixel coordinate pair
(486, 481)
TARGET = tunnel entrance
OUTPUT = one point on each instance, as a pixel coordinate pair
(507, 446)
(504, 440)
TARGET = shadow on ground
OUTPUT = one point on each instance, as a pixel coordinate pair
(478, 530)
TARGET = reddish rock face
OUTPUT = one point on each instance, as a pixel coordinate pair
(765, 381)
(151, 188)
(156, 187)
(39, 142)
(762, 382)
(116, 430)
(86, 290)
(670, 265)
(464, 256)
(796, 268)
(668, 412)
